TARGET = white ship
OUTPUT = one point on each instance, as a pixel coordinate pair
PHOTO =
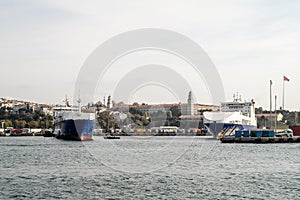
(235, 115)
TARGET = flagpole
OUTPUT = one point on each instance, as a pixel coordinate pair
(283, 95)
(275, 113)
(270, 104)
(283, 90)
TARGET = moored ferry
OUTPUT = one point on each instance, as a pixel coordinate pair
(71, 124)
(234, 115)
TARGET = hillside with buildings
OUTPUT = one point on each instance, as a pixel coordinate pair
(24, 114)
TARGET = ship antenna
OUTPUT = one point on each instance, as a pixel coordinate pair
(79, 101)
(66, 100)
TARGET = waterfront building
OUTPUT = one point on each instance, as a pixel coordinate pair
(272, 117)
(190, 112)
(189, 108)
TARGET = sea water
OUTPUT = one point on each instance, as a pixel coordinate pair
(147, 168)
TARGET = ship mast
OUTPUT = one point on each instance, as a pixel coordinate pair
(66, 101)
(237, 97)
(79, 101)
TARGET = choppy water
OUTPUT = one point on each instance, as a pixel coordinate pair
(147, 168)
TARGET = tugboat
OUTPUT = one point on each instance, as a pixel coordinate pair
(111, 135)
(71, 124)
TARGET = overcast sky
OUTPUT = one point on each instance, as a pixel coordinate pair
(44, 43)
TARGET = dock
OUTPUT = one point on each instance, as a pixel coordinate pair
(260, 139)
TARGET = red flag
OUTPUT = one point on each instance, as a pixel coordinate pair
(285, 78)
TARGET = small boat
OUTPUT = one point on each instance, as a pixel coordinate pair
(111, 137)
(111, 133)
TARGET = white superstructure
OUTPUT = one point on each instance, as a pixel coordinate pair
(235, 114)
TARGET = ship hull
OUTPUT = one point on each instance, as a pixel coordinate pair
(216, 128)
(78, 129)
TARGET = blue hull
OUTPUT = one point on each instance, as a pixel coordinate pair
(80, 129)
(216, 128)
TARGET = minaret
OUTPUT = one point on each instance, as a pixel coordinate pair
(109, 102)
(190, 104)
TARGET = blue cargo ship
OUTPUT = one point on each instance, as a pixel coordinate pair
(72, 124)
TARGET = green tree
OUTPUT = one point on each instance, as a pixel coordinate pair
(106, 120)
(7, 123)
(20, 123)
(33, 124)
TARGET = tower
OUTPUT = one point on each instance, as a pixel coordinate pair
(109, 102)
(190, 104)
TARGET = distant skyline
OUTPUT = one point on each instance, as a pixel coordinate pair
(45, 43)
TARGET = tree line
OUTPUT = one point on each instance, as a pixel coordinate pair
(25, 118)
(142, 119)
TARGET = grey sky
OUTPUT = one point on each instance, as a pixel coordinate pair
(43, 44)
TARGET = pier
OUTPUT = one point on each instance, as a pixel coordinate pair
(260, 139)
